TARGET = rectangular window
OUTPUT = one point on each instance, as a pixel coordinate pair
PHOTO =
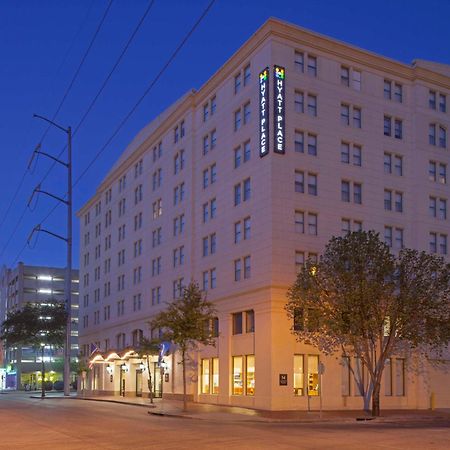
(312, 224)
(442, 103)
(345, 76)
(299, 102)
(250, 321)
(247, 113)
(205, 386)
(356, 117)
(432, 99)
(398, 201)
(345, 191)
(299, 141)
(433, 242)
(237, 232)
(237, 323)
(345, 152)
(250, 375)
(299, 382)
(237, 83)
(312, 144)
(299, 62)
(399, 238)
(299, 222)
(312, 66)
(237, 270)
(345, 114)
(313, 375)
(357, 155)
(387, 200)
(237, 194)
(299, 261)
(238, 378)
(237, 120)
(247, 228)
(312, 184)
(247, 267)
(247, 75)
(357, 193)
(312, 105)
(399, 377)
(387, 126)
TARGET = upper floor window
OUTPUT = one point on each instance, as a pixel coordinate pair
(393, 91)
(437, 172)
(179, 162)
(353, 112)
(393, 127)
(393, 164)
(346, 191)
(157, 151)
(437, 135)
(437, 101)
(351, 78)
(351, 153)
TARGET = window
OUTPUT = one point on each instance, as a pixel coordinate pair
(399, 377)
(356, 117)
(312, 224)
(156, 237)
(178, 225)
(299, 141)
(299, 221)
(312, 66)
(393, 91)
(433, 96)
(347, 225)
(398, 234)
(355, 151)
(398, 201)
(210, 376)
(299, 261)
(434, 168)
(156, 295)
(238, 380)
(436, 238)
(237, 270)
(178, 162)
(250, 321)
(345, 76)
(156, 266)
(242, 192)
(247, 113)
(387, 200)
(313, 376)
(299, 62)
(237, 83)
(299, 102)
(298, 381)
(345, 114)
(177, 288)
(157, 208)
(437, 135)
(312, 105)
(250, 375)
(137, 302)
(398, 127)
(237, 120)
(345, 191)
(247, 267)
(237, 323)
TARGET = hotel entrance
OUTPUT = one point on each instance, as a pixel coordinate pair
(157, 381)
(138, 382)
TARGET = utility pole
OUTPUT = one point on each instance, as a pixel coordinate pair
(67, 239)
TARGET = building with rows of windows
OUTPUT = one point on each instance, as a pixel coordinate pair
(296, 138)
(37, 285)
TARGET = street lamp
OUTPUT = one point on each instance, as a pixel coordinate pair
(68, 239)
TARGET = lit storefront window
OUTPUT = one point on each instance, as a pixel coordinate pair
(237, 375)
(210, 376)
(313, 375)
(205, 376)
(298, 375)
(250, 375)
(215, 375)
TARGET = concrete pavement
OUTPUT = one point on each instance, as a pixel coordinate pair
(201, 411)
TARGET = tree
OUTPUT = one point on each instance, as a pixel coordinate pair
(148, 348)
(37, 326)
(186, 323)
(362, 301)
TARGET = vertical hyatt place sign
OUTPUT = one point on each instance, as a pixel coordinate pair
(279, 106)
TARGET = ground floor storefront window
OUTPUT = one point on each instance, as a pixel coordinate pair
(312, 370)
(243, 376)
(210, 376)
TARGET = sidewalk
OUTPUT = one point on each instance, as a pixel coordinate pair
(223, 413)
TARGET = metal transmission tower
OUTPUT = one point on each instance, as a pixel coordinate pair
(68, 202)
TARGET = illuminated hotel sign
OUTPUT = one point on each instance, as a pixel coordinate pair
(279, 107)
(264, 112)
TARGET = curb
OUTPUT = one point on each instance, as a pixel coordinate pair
(115, 401)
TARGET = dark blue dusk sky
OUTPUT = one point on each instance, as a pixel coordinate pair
(42, 43)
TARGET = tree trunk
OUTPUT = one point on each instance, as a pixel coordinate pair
(150, 385)
(376, 399)
(43, 373)
(183, 355)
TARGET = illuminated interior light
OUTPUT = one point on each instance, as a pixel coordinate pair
(44, 291)
(45, 277)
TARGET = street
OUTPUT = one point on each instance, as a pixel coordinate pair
(59, 423)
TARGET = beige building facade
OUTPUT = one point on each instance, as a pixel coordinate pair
(296, 138)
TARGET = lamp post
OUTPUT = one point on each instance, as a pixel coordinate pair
(68, 239)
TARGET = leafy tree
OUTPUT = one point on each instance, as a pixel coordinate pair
(36, 326)
(148, 348)
(185, 322)
(362, 301)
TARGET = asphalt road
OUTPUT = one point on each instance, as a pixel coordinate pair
(56, 424)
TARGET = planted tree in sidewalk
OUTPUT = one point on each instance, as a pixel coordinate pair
(146, 350)
(361, 301)
(185, 322)
(37, 326)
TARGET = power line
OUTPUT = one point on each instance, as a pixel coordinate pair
(147, 90)
(88, 110)
(22, 179)
(135, 106)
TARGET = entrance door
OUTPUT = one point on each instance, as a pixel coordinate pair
(157, 381)
(138, 383)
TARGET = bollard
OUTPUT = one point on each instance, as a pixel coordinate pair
(432, 401)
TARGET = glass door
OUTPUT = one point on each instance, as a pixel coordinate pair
(138, 383)
(157, 381)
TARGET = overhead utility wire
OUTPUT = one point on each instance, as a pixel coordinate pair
(125, 119)
(91, 105)
(19, 187)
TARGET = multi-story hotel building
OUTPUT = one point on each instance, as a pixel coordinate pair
(34, 284)
(296, 138)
